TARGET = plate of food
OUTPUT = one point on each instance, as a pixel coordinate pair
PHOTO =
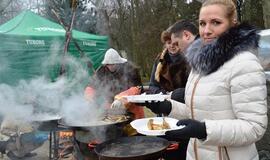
(155, 126)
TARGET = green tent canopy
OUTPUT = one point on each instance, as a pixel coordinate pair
(29, 39)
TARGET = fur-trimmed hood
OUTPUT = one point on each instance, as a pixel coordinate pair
(206, 59)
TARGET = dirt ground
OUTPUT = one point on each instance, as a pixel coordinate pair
(42, 153)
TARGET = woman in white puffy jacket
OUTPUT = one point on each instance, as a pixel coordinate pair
(225, 111)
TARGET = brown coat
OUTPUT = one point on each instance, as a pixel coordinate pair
(170, 74)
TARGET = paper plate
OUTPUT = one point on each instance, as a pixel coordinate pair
(141, 125)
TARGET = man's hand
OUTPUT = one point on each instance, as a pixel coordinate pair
(117, 104)
(192, 129)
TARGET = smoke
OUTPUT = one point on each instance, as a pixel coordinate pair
(78, 111)
(11, 105)
(39, 96)
(40, 99)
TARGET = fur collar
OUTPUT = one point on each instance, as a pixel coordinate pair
(208, 58)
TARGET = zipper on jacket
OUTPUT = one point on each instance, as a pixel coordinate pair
(192, 96)
(192, 115)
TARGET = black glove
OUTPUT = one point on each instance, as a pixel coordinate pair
(178, 95)
(192, 129)
(163, 107)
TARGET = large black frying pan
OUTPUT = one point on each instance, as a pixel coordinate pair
(132, 148)
(91, 125)
(97, 124)
(47, 122)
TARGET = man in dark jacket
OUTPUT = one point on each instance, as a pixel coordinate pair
(170, 72)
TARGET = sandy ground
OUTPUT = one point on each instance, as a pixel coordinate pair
(42, 153)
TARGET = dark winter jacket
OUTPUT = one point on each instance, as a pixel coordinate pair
(126, 76)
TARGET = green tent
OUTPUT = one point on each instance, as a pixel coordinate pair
(28, 40)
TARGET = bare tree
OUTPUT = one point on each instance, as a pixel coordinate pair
(11, 8)
(266, 13)
(132, 25)
(4, 4)
(135, 25)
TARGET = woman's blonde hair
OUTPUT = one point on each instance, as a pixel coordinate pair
(160, 65)
(165, 36)
(228, 4)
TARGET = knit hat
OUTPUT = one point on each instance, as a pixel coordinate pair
(113, 57)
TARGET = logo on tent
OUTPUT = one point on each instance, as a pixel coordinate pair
(89, 43)
(35, 42)
(42, 29)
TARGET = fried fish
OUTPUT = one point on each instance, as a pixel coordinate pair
(153, 126)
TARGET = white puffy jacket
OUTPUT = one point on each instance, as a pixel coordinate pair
(232, 103)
